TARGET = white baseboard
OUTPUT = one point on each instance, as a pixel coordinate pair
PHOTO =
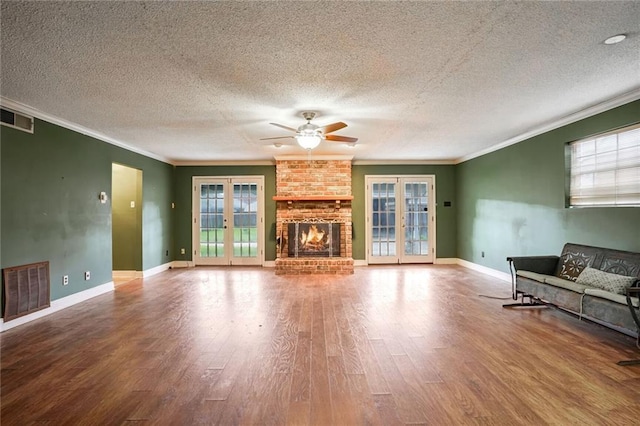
(446, 261)
(485, 270)
(59, 304)
(360, 262)
(154, 271)
(269, 264)
(126, 275)
(181, 264)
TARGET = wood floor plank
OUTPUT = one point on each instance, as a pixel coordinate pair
(344, 409)
(387, 345)
(368, 361)
(331, 333)
(319, 391)
(348, 348)
(299, 412)
(409, 407)
(287, 339)
(364, 400)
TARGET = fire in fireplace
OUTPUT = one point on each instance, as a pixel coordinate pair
(314, 239)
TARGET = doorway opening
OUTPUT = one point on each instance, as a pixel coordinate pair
(126, 230)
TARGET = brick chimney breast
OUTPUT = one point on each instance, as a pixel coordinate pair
(305, 188)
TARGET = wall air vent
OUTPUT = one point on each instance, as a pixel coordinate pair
(26, 289)
(17, 120)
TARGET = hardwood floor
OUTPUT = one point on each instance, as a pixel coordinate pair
(387, 345)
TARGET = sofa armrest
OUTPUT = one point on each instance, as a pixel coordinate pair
(540, 264)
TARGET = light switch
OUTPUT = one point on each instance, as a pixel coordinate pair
(133, 204)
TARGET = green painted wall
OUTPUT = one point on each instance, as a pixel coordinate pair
(126, 220)
(50, 208)
(512, 201)
(183, 191)
(445, 191)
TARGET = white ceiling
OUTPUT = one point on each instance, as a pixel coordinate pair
(201, 81)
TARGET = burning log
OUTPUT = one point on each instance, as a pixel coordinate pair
(314, 239)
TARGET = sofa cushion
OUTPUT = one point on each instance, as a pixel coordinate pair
(619, 298)
(621, 263)
(574, 259)
(604, 280)
(532, 275)
(566, 284)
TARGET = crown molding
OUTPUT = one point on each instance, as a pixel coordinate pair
(404, 162)
(224, 163)
(626, 98)
(314, 157)
(20, 107)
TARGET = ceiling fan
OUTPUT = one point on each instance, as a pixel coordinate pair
(310, 135)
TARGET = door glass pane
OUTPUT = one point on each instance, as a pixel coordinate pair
(245, 220)
(211, 220)
(383, 241)
(416, 223)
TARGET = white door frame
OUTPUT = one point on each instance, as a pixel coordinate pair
(228, 258)
(400, 180)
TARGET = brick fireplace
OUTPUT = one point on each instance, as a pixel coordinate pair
(315, 190)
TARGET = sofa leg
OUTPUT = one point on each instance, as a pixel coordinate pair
(636, 319)
(629, 362)
(532, 303)
(632, 361)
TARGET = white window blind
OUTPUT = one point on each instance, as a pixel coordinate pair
(605, 170)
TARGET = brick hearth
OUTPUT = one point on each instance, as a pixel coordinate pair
(315, 189)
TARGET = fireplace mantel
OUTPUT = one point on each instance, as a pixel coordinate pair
(290, 199)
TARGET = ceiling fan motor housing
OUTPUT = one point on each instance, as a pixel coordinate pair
(308, 115)
(309, 129)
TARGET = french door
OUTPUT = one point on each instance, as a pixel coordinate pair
(400, 219)
(228, 224)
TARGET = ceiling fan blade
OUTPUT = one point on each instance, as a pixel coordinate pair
(277, 137)
(284, 127)
(336, 138)
(333, 127)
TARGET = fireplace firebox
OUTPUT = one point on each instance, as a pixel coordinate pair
(313, 239)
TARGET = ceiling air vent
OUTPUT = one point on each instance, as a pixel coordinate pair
(17, 120)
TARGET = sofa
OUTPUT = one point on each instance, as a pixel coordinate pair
(591, 282)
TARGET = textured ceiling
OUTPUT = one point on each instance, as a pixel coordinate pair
(201, 81)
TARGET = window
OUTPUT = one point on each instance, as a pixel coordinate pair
(605, 169)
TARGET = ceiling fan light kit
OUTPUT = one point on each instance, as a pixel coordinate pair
(310, 135)
(308, 141)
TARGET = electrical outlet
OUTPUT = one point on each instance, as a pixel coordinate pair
(182, 251)
(87, 276)
(65, 279)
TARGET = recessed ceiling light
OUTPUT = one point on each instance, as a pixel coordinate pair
(615, 39)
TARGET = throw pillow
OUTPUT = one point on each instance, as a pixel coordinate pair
(610, 282)
(573, 263)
